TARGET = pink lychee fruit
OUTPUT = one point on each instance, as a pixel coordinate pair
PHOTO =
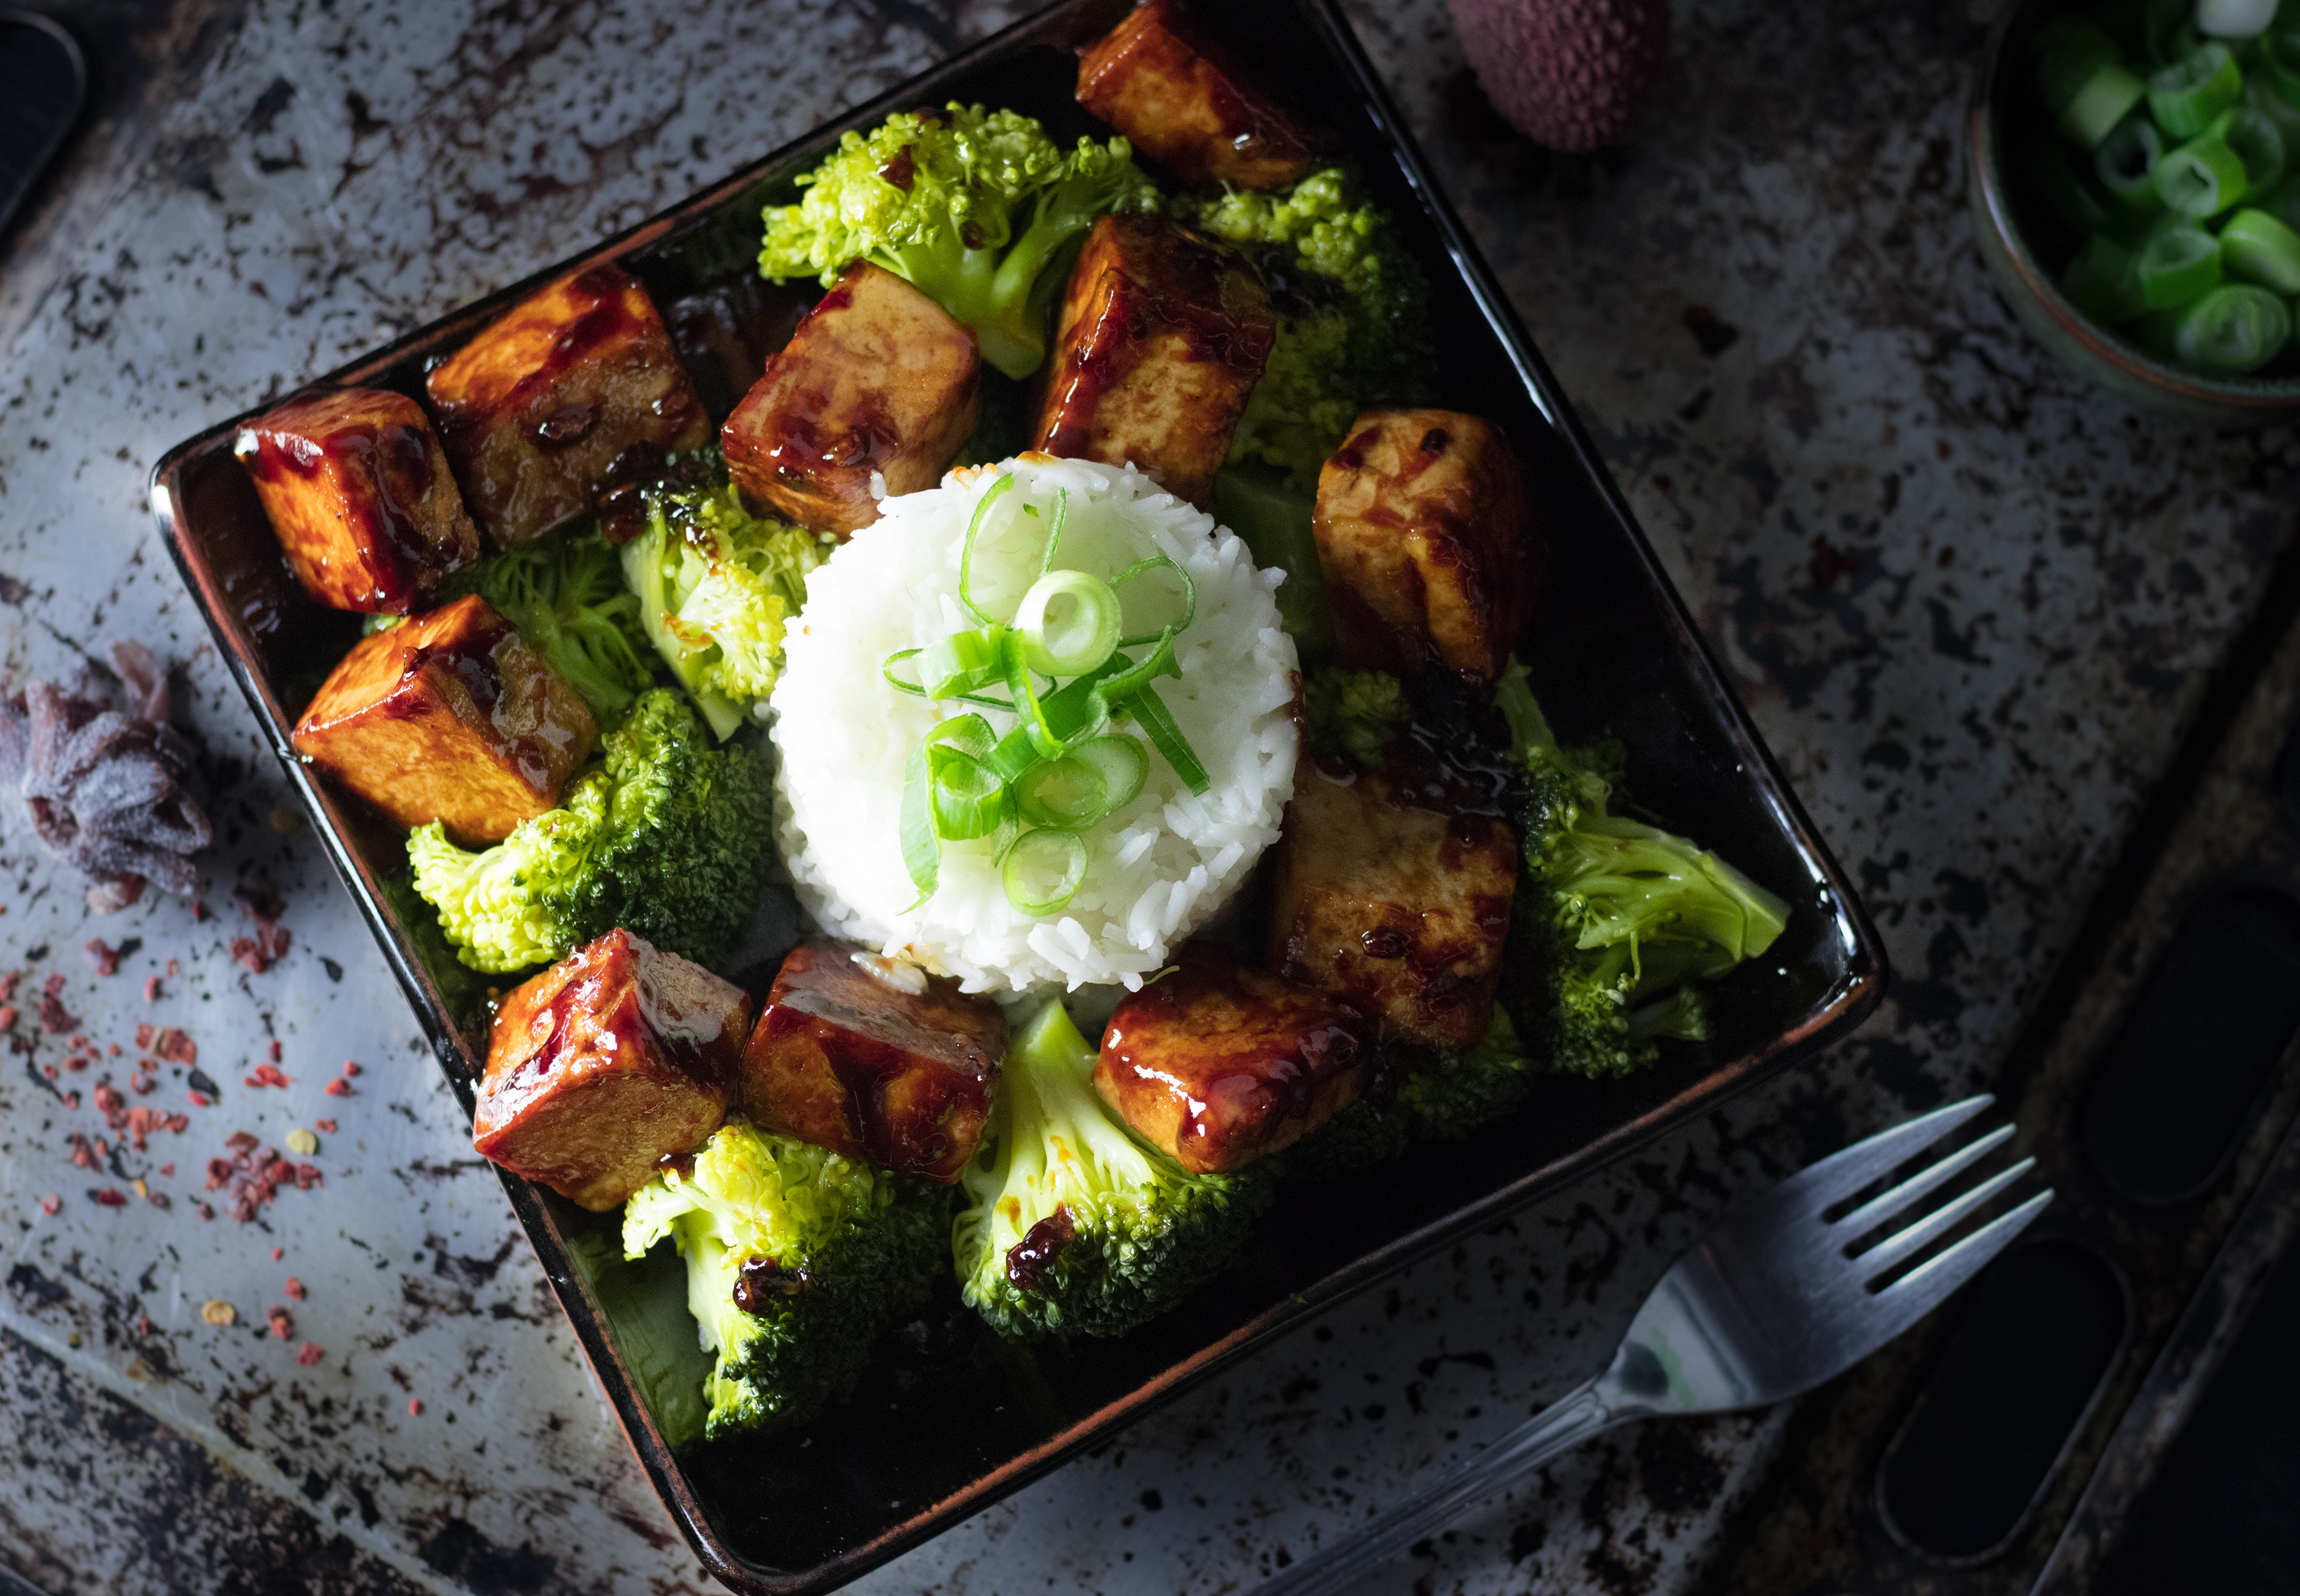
(1570, 74)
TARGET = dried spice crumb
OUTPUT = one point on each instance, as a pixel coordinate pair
(56, 1019)
(295, 1288)
(169, 1043)
(275, 1051)
(325, 1127)
(8, 1017)
(169, 1170)
(338, 1088)
(112, 1050)
(215, 1310)
(152, 989)
(159, 1200)
(283, 1328)
(143, 1324)
(141, 1083)
(199, 910)
(300, 1140)
(198, 1099)
(110, 1197)
(309, 1355)
(415, 1407)
(266, 1074)
(71, 1100)
(51, 1203)
(102, 957)
(139, 1188)
(350, 1067)
(203, 1210)
(278, 1253)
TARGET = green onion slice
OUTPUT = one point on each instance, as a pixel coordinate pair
(2258, 248)
(2186, 96)
(1042, 870)
(2176, 266)
(997, 491)
(1068, 793)
(1142, 568)
(2106, 100)
(921, 848)
(2258, 142)
(1158, 725)
(2234, 330)
(2201, 179)
(2126, 161)
(2279, 63)
(1123, 764)
(967, 796)
(916, 690)
(2070, 53)
(1055, 643)
(960, 663)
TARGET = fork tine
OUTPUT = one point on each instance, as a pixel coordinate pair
(1923, 1288)
(1865, 1218)
(1906, 1243)
(1841, 1174)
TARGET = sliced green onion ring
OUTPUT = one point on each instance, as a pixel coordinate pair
(2201, 179)
(968, 799)
(921, 848)
(1157, 722)
(1142, 568)
(2126, 162)
(1042, 870)
(2176, 266)
(2186, 96)
(2106, 100)
(2258, 248)
(1057, 643)
(1069, 794)
(2234, 330)
(997, 491)
(1123, 763)
(2258, 142)
(1054, 532)
(959, 663)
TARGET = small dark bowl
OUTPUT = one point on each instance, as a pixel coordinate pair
(2010, 222)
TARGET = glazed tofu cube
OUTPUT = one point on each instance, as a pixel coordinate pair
(1184, 102)
(1427, 543)
(1400, 912)
(614, 1059)
(536, 410)
(1163, 336)
(876, 380)
(358, 489)
(449, 717)
(1220, 1065)
(857, 1062)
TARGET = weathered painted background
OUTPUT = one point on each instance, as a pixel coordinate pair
(1972, 603)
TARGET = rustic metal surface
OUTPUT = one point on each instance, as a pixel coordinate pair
(1972, 603)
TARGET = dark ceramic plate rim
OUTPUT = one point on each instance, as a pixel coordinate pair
(1842, 1008)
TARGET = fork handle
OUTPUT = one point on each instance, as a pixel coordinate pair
(1559, 1428)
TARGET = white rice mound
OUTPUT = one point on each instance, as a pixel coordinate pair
(1160, 866)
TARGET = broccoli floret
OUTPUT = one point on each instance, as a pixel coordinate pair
(971, 208)
(1356, 712)
(1073, 1227)
(1632, 913)
(669, 840)
(1351, 328)
(796, 1258)
(565, 594)
(715, 585)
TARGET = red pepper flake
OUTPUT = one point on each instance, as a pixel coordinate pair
(278, 1253)
(275, 1051)
(306, 1177)
(199, 909)
(53, 984)
(282, 1326)
(143, 1324)
(49, 1071)
(152, 989)
(102, 957)
(198, 1099)
(266, 1074)
(350, 1067)
(108, 1100)
(254, 1175)
(77, 1062)
(203, 1210)
(158, 1200)
(112, 1050)
(415, 1407)
(141, 1083)
(174, 1046)
(168, 1170)
(54, 1018)
(8, 1018)
(309, 1355)
(338, 1088)
(51, 1203)
(328, 1126)
(174, 969)
(110, 1197)
(71, 1100)
(8, 984)
(83, 1154)
(295, 1288)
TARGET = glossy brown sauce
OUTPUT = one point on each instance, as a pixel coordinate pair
(1453, 755)
(761, 1282)
(394, 458)
(1029, 1259)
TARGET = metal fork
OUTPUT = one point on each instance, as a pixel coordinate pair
(1773, 1303)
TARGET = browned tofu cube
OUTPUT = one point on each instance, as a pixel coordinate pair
(1185, 102)
(1427, 543)
(1400, 912)
(847, 1059)
(877, 379)
(449, 717)
(358, 490)
(614, 1059)
(1164, 334)
(1220, 1065)
(538, 408)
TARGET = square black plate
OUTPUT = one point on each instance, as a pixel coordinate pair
(949, 1419)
